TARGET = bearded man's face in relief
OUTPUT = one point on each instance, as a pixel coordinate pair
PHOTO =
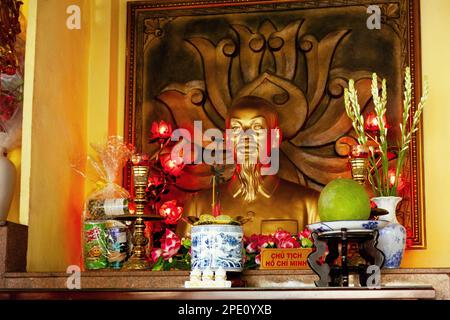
(250, 120)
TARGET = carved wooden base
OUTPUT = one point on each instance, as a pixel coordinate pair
(336, 275)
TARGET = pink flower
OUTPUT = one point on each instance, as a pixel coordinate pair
(265, 241)
(155, 254)
(170, 244)
(171, 211)
(258, 259)
(252, 247)
(281, 235)
(305, 234)
(288, 243)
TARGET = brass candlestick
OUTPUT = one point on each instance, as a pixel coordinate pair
(359, 169)
(140, 170)
(359, 163)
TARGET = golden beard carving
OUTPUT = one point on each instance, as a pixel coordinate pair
(249, 176)
(250, 119)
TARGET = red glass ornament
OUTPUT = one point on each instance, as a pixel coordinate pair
(172, 165)
(171, 211)
(371, 124)
(401, 182)
(161, 130)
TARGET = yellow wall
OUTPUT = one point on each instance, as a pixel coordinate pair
(55, 134)
(80, 76)
(435, 65)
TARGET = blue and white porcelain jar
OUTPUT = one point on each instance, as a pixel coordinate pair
(392, 238)
(217, 246)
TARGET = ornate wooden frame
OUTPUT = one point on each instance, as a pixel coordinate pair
(403, 16)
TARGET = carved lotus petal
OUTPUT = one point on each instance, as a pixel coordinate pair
(333, 122)
(287, 98)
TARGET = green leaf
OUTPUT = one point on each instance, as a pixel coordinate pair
(306, 243)
(158, 264)
(187, 243)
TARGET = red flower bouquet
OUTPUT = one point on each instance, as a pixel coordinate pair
(173, 254)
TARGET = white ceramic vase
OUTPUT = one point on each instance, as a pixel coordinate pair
(392, 238)
(7, 181)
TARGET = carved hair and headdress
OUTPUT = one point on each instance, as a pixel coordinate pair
(250, 109)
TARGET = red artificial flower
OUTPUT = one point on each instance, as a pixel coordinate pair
(288, 243)
(252, 247)
(253, 238)
(161, 130)
(281, 235)
(155, 254)
(170, 244)
(258, 259)
(265, 241)
(171, 211)
(305, 234)
(172, 166)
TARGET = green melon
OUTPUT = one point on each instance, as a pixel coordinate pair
(344, 199)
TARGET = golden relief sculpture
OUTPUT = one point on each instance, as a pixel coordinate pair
(267, 67)
(269, 201)
(193, 63)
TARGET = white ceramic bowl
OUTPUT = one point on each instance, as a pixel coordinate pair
(348, 224)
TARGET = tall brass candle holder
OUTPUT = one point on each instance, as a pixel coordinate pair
(359, 163)
(140, 170)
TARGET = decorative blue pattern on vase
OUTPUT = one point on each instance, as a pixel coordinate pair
(392, 241)
(371, 225)
(217, 246)
(395, 260)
